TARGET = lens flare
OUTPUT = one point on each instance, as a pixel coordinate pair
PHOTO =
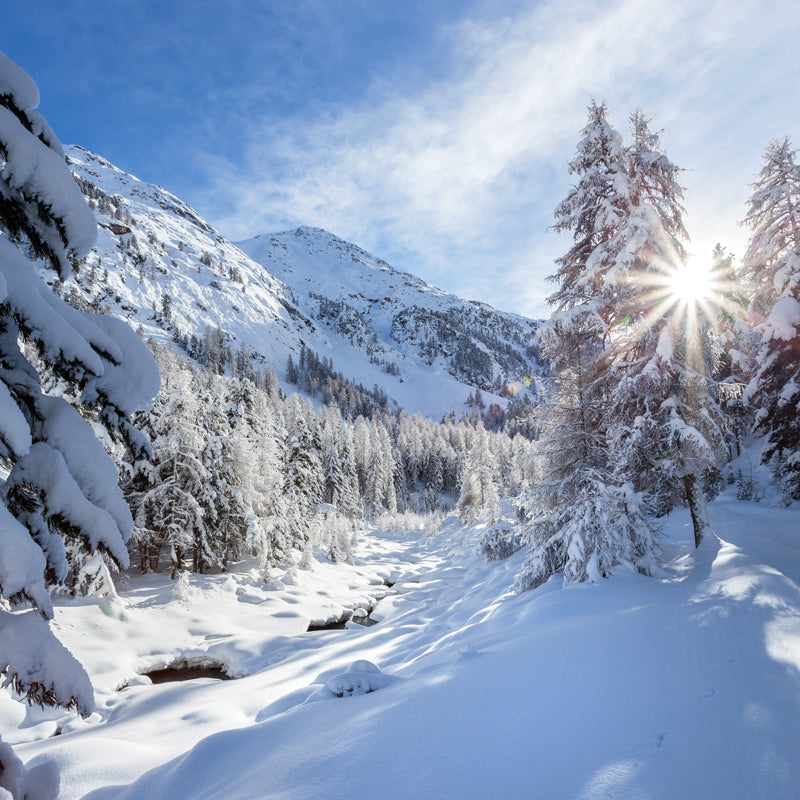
(693, 282)
(684, 297)
(517, 385)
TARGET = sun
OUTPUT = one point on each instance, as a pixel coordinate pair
(692, 282)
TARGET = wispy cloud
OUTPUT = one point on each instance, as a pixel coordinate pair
(456, 180)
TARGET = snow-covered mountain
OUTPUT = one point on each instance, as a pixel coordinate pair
(394, 318)
(163, 268)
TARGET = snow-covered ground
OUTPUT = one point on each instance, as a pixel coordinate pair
(683, 686)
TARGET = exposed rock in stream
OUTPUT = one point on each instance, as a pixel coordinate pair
(183, 671)
(359, 613)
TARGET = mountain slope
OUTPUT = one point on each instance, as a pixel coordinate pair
(395, 317)
(163, 268)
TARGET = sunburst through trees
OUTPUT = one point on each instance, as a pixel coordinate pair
(634, 425)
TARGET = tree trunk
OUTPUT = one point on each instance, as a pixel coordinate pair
(697, 507)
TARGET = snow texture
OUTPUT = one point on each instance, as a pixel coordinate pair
(14, 430)
(22, 564)
(29, 651)
(16, 83)
(361, 677)
(38, 171)
(131, 385)
(46, 467)
(49, 320)
(88, 463)
(630, 687)
(784, 320)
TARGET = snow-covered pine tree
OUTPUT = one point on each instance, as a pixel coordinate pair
(62, 487)
(331, 455)
(224, 422)
(593, 212)
(349, 500)
(736, 341)
(524, 465)
(434, 473)
(410, 448)
(390, 467)
(773, 264)
(664, 424)
(479, 494)
(503, 453)
(164, 494)
(584, 518)
(252, 456)
(268, 536)
(361, 452)
(378, 472)
(304, 477)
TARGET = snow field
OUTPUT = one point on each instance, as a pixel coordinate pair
(685, 685)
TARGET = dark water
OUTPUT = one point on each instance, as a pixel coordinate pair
(341, 623)
(187, 672)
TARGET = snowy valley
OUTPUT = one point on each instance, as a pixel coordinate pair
(680, 686)
(366, 539)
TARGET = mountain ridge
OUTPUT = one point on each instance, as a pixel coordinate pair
(162, 267)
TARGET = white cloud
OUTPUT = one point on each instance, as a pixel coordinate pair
(457, 182)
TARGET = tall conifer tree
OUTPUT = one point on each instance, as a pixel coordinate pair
(582, 522)
(773, 264)
(665, 426)
(61, 502)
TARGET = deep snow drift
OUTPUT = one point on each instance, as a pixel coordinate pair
(686, 685)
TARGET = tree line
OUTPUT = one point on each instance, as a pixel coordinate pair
(240, 469)
(652, 390)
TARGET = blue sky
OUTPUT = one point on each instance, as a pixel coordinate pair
(434, 134)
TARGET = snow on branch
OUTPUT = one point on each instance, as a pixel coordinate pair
(39, 667)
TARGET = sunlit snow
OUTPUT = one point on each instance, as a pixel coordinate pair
(685, 685)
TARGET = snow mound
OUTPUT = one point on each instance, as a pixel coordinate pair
(361, 677)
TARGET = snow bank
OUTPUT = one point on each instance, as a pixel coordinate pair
(39, 171)
(685, 686)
